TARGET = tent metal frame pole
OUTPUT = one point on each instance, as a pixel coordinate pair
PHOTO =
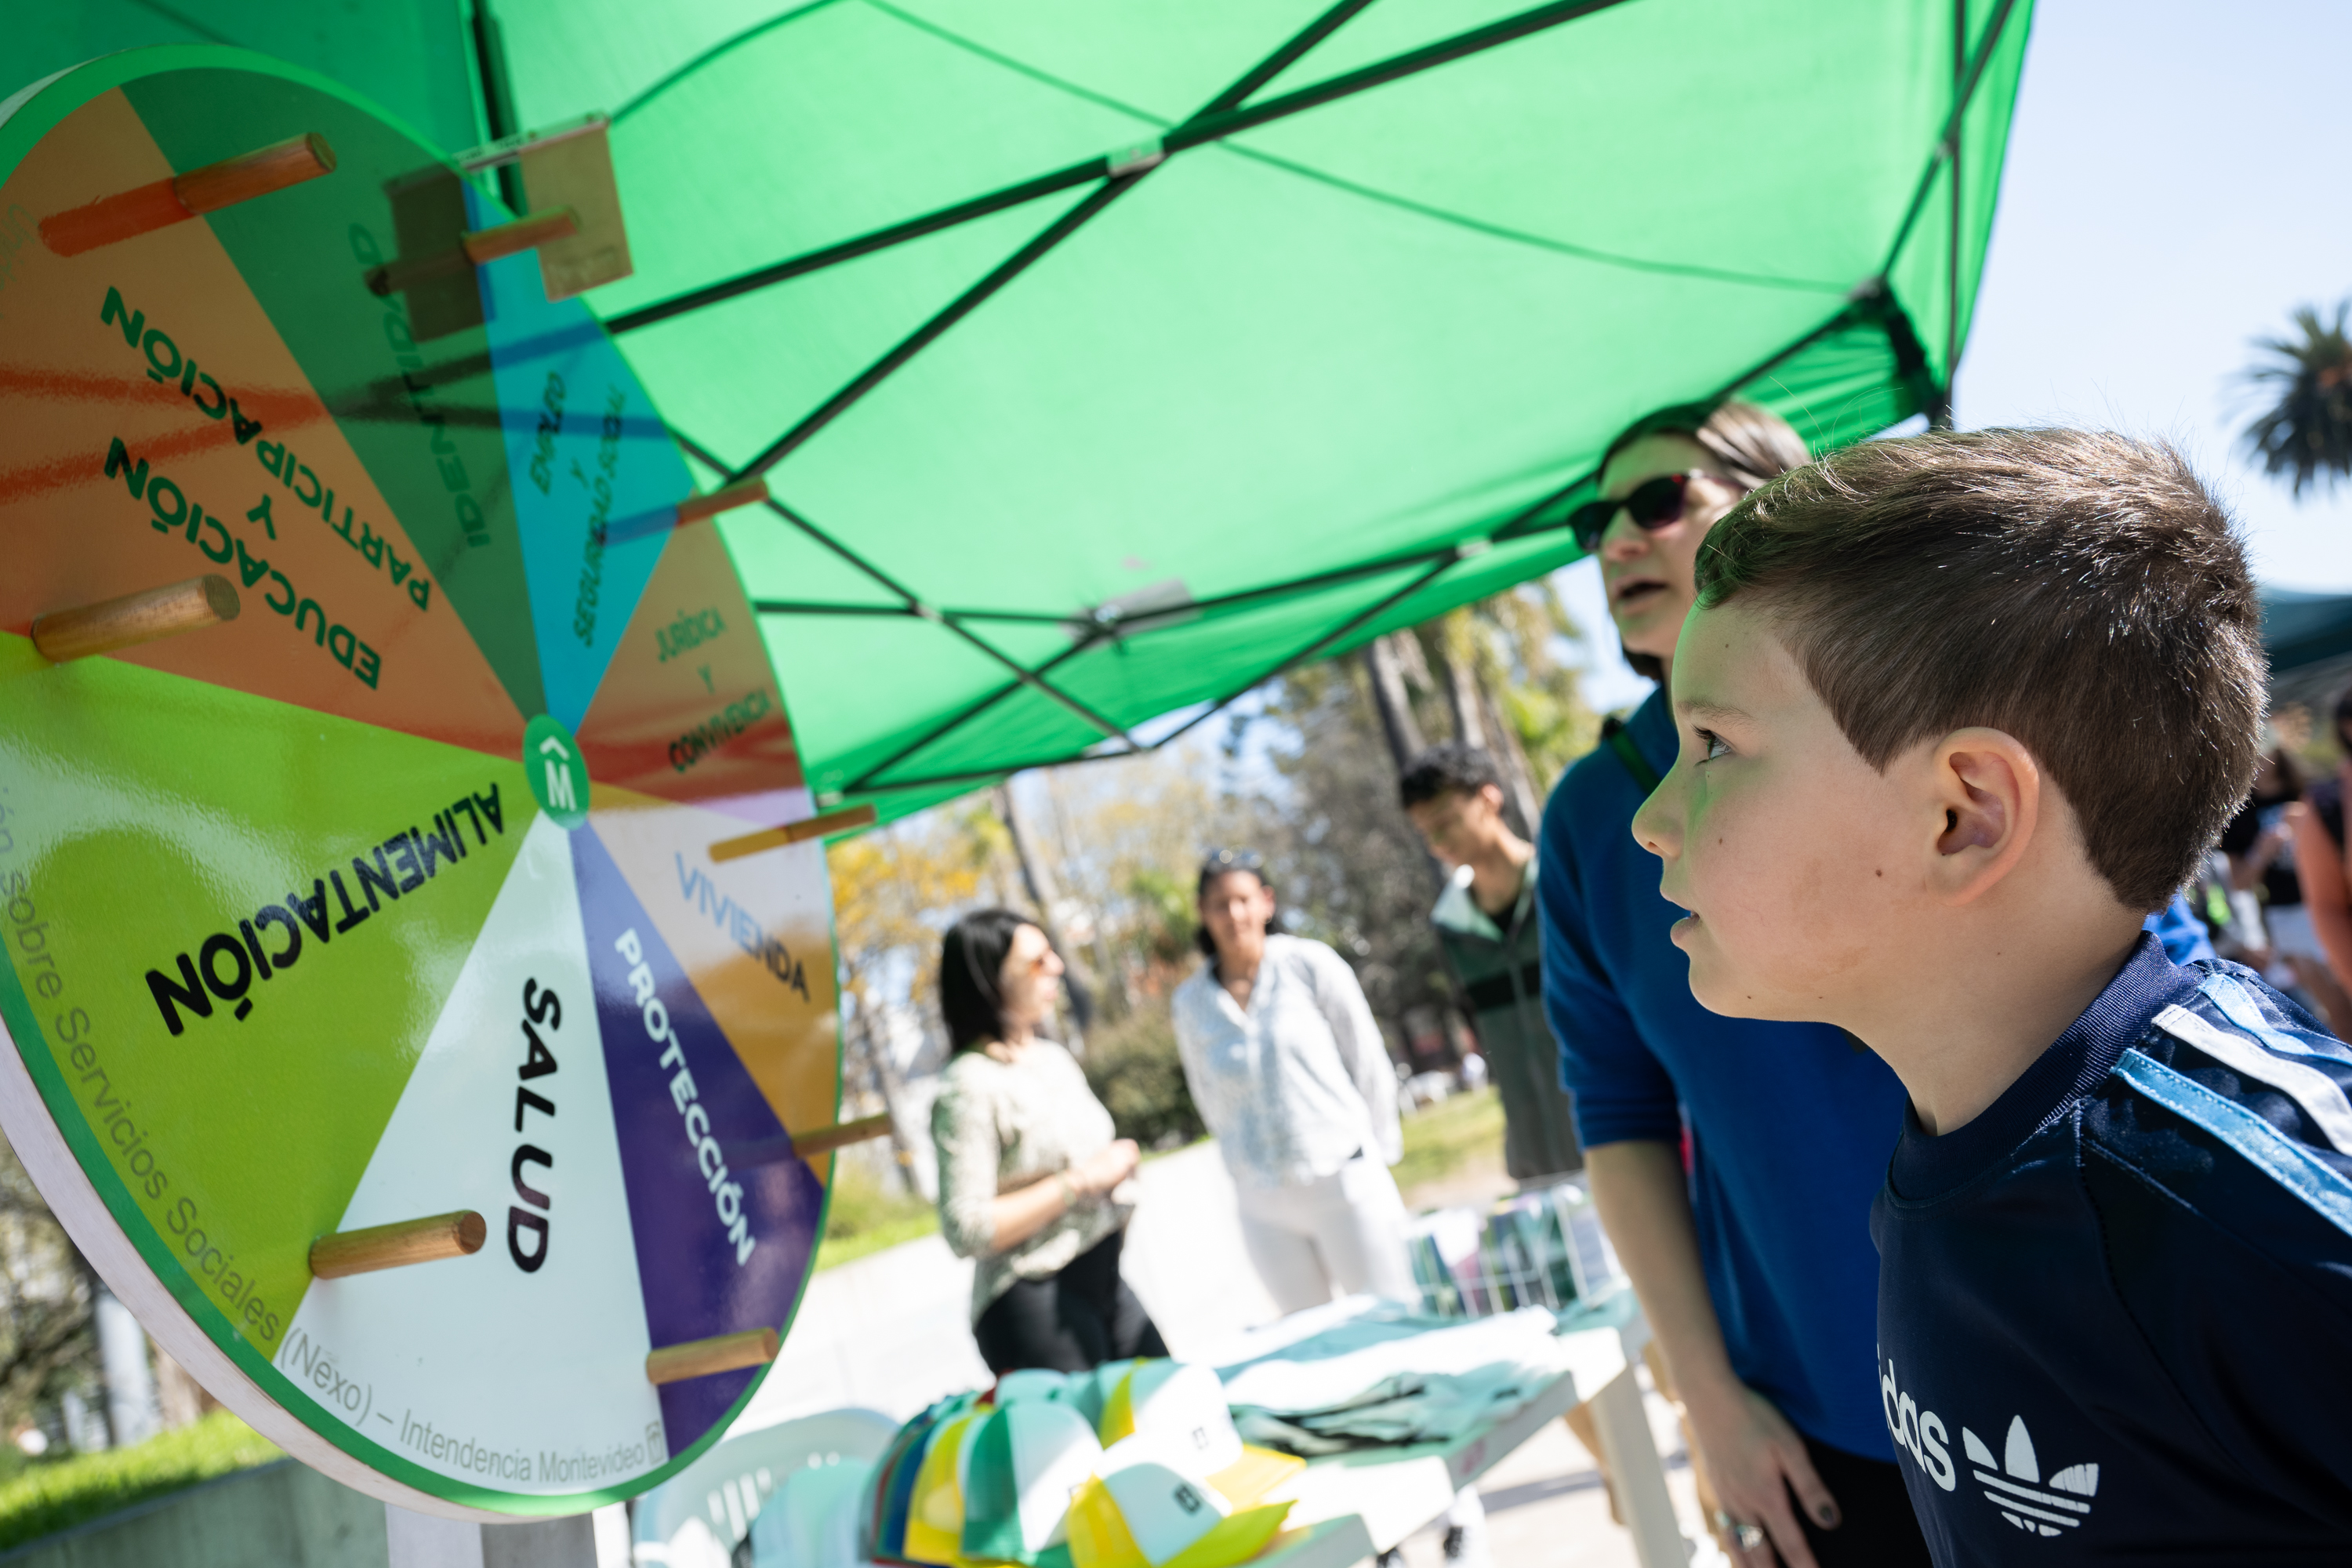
(1345, 628)
(1948, 144)
(1870, 299)
(914, 342)
(867, 786)
(498, 96)
(1942, 418)
(1121, 177)
(1515, 530)
(1034, 677)
(915, 606)
(1093, 632)
(1221, 121)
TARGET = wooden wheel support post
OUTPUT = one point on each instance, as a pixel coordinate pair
(396, 1245)
(824, 1139)
(135, 618)
(694, 509)
(143, 210)
(724, 1352)
(848, 819)
(477, 248)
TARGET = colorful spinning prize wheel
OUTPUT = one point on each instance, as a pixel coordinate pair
(384, 1026)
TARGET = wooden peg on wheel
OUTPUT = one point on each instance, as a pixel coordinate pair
(477, 248)
(824, 1139)
(396, 1246)
(848, 819)
(128, 213)
(135, 618)
(748, 492)
(724, 1352)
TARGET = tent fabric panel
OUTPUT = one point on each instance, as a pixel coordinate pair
(1984, 148)
(1218, 656)
(1392, 27)
(858, 688)
(758, 157)
(895, 805)
(1165, 63)
(568, 56)
(1021, 723)
(787, 563)
(1246, 461)
(1360, 335)
(739, 373)
(1838, 389)
(1925, 270)
(1619, 164)
(1479, 578)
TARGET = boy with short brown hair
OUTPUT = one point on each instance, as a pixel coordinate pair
(1956, 713)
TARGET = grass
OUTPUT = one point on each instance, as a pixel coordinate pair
(53, 1495)
(1443, 1138)
(867, 1216)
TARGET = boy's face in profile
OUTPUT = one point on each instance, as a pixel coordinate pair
(1800, 863)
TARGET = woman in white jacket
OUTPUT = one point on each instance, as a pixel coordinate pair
(1290, 1074)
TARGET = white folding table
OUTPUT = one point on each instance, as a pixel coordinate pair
(1355, 1505)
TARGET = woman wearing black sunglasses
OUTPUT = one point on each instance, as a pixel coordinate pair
(1733, 1160)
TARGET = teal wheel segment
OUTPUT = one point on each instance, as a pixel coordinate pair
(596, 478)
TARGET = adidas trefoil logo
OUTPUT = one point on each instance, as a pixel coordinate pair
(2015, 1488)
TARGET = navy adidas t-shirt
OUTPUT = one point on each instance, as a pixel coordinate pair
(2114, 1311)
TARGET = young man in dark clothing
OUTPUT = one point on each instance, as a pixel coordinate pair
(1955, 713)
(1486, 923)
(1487, 929)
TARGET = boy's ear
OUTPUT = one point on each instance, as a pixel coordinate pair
(1988, 788)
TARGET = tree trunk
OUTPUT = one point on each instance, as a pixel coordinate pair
(1511, 758)
(1395, 705)
(1457, 649)
(1109, 971)
(130, 1382)
(181, 1399)
(1038, 878)
(882, 1076)
(1462, 695)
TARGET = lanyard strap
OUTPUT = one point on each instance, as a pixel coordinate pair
(1614, 732)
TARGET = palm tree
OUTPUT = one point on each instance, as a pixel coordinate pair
(2307, 432)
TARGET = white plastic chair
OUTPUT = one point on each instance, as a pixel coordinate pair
(695, 1519)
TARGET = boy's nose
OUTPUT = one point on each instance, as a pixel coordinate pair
(1656, 825)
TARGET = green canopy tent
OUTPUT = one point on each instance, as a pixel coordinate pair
(415, 57)
(1106, 359)
(2308, 640)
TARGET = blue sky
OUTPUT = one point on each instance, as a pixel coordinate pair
(2177, 183)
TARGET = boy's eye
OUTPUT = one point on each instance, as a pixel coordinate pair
(1712, 745)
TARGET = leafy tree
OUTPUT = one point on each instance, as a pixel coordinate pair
(47, 1342)
(2306, 434)
(1134, 1070)
(1343, 860)
(894, 893)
